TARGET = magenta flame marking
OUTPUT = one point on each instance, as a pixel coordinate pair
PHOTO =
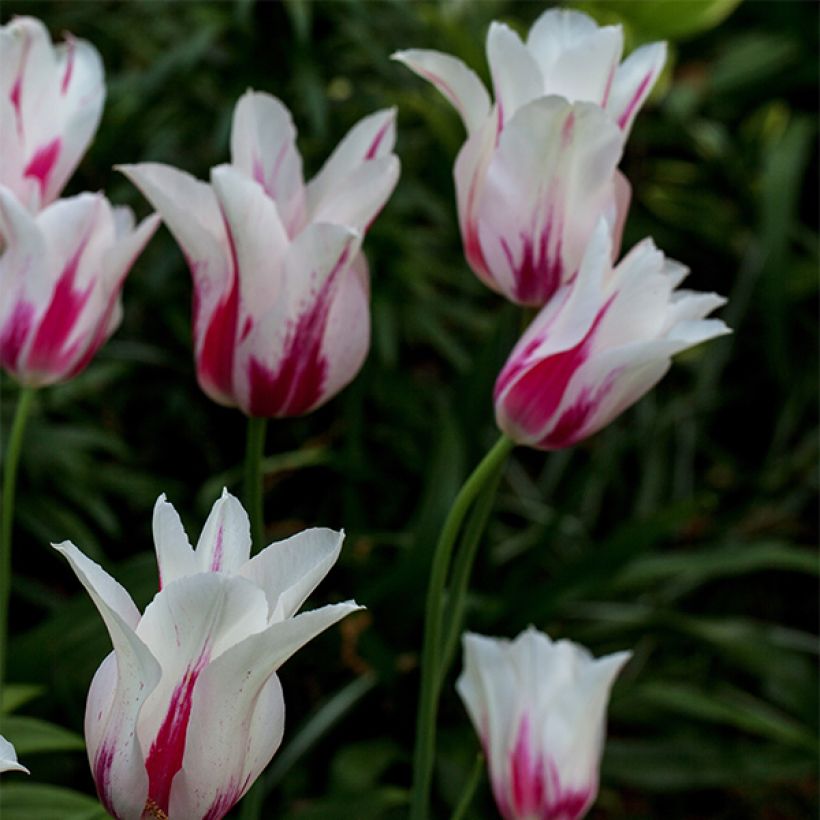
(540, 270)
(527, 772)
(608, 88)
(573, 424)
(637, 98)
(534, 398)
(216, 558)
(164, 759)
(443, 86)
(374, 146)
(42, 163)
(69, 68)
(14, 334)
(47, 353)
(216, 356)
(296, 386)
(226, 800)
(15, 94)
(101, 769)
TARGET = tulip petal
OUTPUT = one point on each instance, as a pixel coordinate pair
(113, 750)
(225, 543)
(633, 82)
(370, 139)
(263, 147)
(546, 186)
(292, 377)
(222, 718)
(578, 59)
(191, 622)
(175, 555)
(8, 758)
(516, 75)
(288, 571)
(458, 83)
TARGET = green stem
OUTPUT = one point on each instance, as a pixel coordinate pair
(430, 682)
(462, 570)
(10, 461)
(254, 451)
(469, 788)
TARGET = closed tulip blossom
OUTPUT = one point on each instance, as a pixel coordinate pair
(51, 99)
(281, 287)
(539, 708)
(187, 710)
(61, 273)
(600, 344)
(539, 166)
(8, 758)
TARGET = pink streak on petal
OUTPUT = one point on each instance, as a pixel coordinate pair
(42, 163)
(14, 334)
(164, 758)
(527, 774)
(69, 68)
(626, 116)
(101, 770)
(374, 146)
(15, 94)
(539, 272)
(216, 560)
(47, 353)
(226, 800)
(296, 386)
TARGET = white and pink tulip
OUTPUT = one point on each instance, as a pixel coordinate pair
(600, 344)
(539, 166)
(187, 711)
(51, 100)
(281, 286)
(539, 708)
(61, 273)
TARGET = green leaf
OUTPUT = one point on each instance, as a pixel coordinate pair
(31, 735)
(16, 695)
(36, 801)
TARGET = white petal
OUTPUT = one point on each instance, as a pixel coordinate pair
(633, 82)
(578, 59)
(372, 138)
(263, 147)
(516, 76)
(225, 543)
(458, 83)
(8, 758)
(175, 556)
(224, 710)
(114, 752)
(288, 571)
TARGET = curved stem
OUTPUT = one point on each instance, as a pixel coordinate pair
(254, 450)
(430, 684)
(462, 570)
(469, 788)
(10, 461)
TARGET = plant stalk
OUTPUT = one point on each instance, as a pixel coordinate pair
(254, 451)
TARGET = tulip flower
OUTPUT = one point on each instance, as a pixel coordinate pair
(187, 710)
(8, 758)
(51, 100)
(61, 273)
(539, 166)
(281, 315)
(539, 708)
(599, 345)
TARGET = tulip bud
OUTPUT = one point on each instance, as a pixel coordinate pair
(187, 710)
(599, 345)
(539, 708)
(51, 99)
(281, 287)
(61, 273)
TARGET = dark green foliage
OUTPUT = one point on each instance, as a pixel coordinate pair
(685, 531)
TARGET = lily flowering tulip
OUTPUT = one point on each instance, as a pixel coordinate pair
(539, 708)
(599, 345)
(61, 273)
(539, 166)
(281, 287)
(51, 100)
(8, 758)
(187, 710)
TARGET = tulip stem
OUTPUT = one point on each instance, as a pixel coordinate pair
(254, 451)
(462, 570)
(10, 461)
(469, 788)
(431, 651)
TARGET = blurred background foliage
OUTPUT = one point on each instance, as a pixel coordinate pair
(687, 530)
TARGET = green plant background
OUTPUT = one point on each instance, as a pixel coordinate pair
(685, 531)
